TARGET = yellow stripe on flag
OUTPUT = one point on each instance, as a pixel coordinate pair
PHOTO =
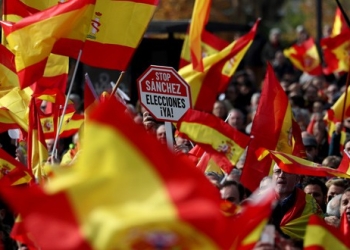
(119, 14)
(319, 236)
(254, 236)
(41, 5)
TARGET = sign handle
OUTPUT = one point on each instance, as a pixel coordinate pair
(169, 135)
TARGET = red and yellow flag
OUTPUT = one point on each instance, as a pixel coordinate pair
(42, 5)
(8, 76)
(339, 24)
(211, 44)
(37, 149)
(305, 57)
(336, 52)
(296, 165)
(200, 17)
(337, 108)
(33, 49)
(204, 89)
(12, 171)
(331, 121)
(273, 128)
(78, 204)
(321, 236)
(56, 70)
(344, 165)
(112, 46)
(213, 134)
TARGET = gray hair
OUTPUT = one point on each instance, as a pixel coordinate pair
(333, 206)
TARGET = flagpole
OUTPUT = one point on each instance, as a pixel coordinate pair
(117, 83)
(65, 106)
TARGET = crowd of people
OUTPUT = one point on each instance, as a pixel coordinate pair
(310, 98)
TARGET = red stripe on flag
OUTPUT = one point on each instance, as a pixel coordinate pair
(56, 10)
(57, 82)
(31, 73)
(68, 47)
(107, 56)
(7, 58)
(151, 2)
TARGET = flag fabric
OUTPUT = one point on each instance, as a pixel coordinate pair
(294, 222)
(71, 125)
(203, 89)
(37, 149)
(112, 46)
(339, 24)
(345, 228)
(8, 75)
(321, 236)
(305, 57)
(331, 121)
(213, 134)
(253, 217)
(337, 108)
(56, 70)
(78, 204)
(10, 121)
(296, 165)
(211, 44)
(12, 170)
(32, 49)
(19, 233)
(273, 128)
(90, 95)
(335, 52)
(344, 165)
(200, 17)
(42, 5)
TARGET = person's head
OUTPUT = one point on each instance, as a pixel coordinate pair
(254, 100)
(345, 204)
(214, 178)
(285, 182)
(301, 33)
(331, 93)
(49, 144)
(317, 107)
(347, 146)
(311, 145)
(335, 186)
(333, 206)
(160, 133)
(275, 35)
(232, 192)
(220, 110)
(332, 161)
(317, 189)
(234, 175)
(75, 98)
(236, 119)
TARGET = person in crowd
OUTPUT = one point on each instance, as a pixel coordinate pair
(215, 178)
(332, 161)
(345, 204)
(160, 133)
(220, 110)
(335, 186)
(287, 223)
(232, 191)
(273, 45)
(311, 147)
(236, 120)
(317, 189)
(332, 216)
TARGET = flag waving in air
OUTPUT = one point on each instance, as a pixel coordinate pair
(32, 38)
(168, 203)
(200, 17)
(273, 128)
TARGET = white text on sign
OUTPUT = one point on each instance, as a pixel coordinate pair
(161, 86)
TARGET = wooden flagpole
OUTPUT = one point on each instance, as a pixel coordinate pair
(117, 83)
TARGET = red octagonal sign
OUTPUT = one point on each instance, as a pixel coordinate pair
(164, 93)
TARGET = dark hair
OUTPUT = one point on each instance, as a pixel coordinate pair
(315, 181)
(238, 185)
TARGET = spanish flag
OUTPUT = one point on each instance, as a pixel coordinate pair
(200, 17)
(12, 171)
(10, 121)
(339, 24)
(56, 70)
(337, 108)
(204, 89)
(335, 52)
(344, 165)
(321, 236)
(168, 203)
(42, 5)
(112, 46)
(211, 44)
(213, 134)
(305, 57)
(295, 165)
(32, 38)
(331, 121)
(8, 75)
(37, 149)
(273, 128)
